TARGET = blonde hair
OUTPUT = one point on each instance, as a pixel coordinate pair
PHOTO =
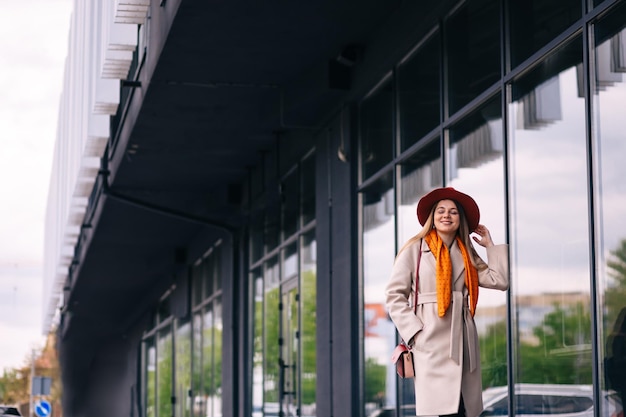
(463, 232)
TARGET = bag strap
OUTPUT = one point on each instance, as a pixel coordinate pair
(417, 278)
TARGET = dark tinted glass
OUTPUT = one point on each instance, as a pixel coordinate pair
(418, 91)
(534, 23)
(308, 190)
(290, 204)
(473, 51)
(377, 130)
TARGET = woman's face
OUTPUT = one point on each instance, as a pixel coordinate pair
(446, 217)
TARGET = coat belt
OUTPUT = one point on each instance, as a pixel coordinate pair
(460, 313)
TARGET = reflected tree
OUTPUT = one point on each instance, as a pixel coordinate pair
(375, 374)
(615, 294)
(563, 354)
(493, 355)
(309, 331)
(558, 354)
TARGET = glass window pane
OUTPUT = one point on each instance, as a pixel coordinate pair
(199, 403)
(217, 358)
(271, 325)
(257, 341)
(420, 173)
(308, 263)
(197, 284)
(609, 99)
(256, 237)
(419, 92)
(183, 369)
(164, 373)
(290, 262)
(308, 189)
(535, 23)
(473, 51)
(549, 223)
(476, 167)
(150, 377)
(378, 256)
(208, 371)
(210, 266)
(377, 130)
(217, 277)
(290, 196)
(272, 227)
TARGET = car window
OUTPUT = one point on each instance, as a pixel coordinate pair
(11, 411)
(533, 404)
(552, 404)
(557, 404)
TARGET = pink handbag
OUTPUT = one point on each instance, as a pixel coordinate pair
(402, 356)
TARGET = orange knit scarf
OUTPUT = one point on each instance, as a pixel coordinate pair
(444, 273)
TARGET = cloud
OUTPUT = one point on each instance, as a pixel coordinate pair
(35, 37)
(20, 313)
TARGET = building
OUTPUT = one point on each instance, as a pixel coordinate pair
(232, 180)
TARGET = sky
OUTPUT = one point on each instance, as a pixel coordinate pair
(33, 46)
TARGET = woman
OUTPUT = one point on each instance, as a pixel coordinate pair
(442, 334)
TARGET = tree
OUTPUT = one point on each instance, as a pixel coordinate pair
(561, 356)
(15, 384)
(615, 294)
(493, 355)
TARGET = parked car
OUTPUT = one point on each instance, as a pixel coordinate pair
(563, 400)
(9, 411)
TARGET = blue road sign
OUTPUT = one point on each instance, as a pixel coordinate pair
(43, 408)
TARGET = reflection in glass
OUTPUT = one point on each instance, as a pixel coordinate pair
(308, 190)
(183, 369)
(609, 99)
(197, 282)
(290, 262)
(550, 233)
(208, 343)
(476, 167)
(150, 377)
(289, 367)
(210, 264)
(199, 406)
(377, 130)
(419, 173)
(256, 239)
(308, 262)
(217, 358)
(257, 340)
(164, 372)
(290, 204)
(271, 322)
(473, 51)
(419, 92)
(535, 23)
(379, 332)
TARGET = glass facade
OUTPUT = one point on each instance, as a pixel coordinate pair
(609, 96)
(536, 141)
(283, 295)
(182, 356)
(517, 104)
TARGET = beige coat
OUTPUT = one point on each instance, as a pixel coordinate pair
(445, 349)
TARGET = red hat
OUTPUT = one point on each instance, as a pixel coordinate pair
(425, 205)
